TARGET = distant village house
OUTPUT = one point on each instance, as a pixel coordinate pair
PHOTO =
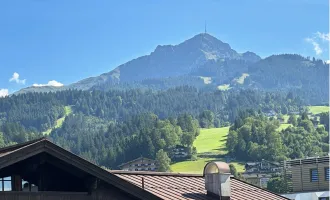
(139, 164)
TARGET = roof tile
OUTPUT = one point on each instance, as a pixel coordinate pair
(191, 187)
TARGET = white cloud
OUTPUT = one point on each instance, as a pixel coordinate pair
(323, 36)
(15, 78)
(328, 61)
(50, 83)
(4, 92)
(318, 50)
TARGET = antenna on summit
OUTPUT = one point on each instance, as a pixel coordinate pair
(205, 27)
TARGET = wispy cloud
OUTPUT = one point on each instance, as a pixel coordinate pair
(319, 41)
(50, 83)
(4, 93)
(15, 78)
(323, 36)
(318, 50)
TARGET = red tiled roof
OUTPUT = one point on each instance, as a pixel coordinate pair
(189, 186)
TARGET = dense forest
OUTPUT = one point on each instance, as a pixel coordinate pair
(117, 125)
(254, 136)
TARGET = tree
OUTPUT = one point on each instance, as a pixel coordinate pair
(163, 161)
(307, 125)
(232, 141)
(324, 119)
(233, 170)
(2, 142)
(293, 120)
(278, 185)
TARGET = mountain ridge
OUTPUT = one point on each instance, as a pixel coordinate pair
(199, 58)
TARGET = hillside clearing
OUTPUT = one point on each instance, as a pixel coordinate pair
(59, 121)
(212, 140)
(207, 80)
(224, 87)
(197, 167)
(211, 146)
(318, 109)
(241, 79)
(283, 126)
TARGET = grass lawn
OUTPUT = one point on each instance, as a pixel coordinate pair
(283, 126)
(318, 109)
(212, 140)
(197, 167)
(209, 143)
(59, 121)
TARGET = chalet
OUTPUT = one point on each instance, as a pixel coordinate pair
(139, 164)
(41, 170)
(308, 178)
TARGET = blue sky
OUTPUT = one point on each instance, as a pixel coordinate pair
(64, 41)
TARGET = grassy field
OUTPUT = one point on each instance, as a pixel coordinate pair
(210, 144)
(318, 109)
(196, 167)
(283, 126)
(211, 140)
(59, 121)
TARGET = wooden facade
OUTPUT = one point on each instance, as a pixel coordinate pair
(308, 174)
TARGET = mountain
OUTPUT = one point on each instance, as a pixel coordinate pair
(164, 62)
(205, 62)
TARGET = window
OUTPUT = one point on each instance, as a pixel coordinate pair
(136, 169)
(5, 184)
(326, 173)
(324, 198)
(314, 175)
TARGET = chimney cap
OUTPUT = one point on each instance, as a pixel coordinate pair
(216, 168)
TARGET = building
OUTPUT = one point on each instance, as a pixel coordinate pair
(263, 166)
(39, 169)
(259, 173)
(215, 183)
(308, 178)
(139, 164)
(258, 179)
(179, 152)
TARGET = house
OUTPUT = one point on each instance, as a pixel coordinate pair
(215, 183)
(179, 151)
(39, 169)
(259, 173)
(263, 166)
(49, 172)
(271, 113)
(309, 177)
(257, 179)
(139, 164)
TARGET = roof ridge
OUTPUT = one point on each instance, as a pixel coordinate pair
(150, 173)
(23, 144)
(259, 188)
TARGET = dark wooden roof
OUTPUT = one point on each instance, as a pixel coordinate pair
(155, 185)
(13, 154)
(191, 186)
